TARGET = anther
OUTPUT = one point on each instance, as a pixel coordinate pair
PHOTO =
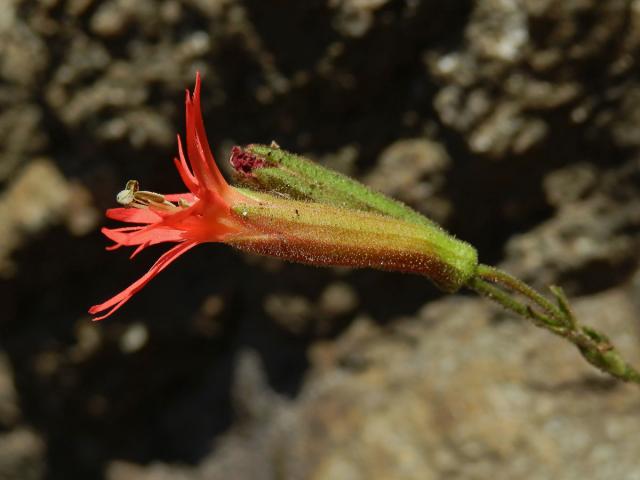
(132, 196)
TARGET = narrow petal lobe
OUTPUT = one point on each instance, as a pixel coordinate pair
(115, 302)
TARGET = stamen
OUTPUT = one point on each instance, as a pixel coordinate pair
(133, 197)
(127, 196)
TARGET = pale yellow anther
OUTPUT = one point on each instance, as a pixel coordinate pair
(132, 196)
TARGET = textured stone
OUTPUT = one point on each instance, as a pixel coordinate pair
(514, 122)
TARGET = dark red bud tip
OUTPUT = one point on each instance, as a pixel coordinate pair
(245, 162)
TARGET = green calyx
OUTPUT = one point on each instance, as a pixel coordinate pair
(272, 169)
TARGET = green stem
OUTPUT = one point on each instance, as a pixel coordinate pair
(594, 346)
(501, 277)
(503, 298)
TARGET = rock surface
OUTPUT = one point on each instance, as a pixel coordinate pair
(514, 123)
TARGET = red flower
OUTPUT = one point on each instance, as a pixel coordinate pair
(201, 215)
(268, 223)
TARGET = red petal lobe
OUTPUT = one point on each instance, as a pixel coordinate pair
(115, 302)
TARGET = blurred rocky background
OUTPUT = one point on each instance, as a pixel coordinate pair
(515, 123)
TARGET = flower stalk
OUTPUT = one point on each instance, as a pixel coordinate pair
(559, 319)
(291, 208)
